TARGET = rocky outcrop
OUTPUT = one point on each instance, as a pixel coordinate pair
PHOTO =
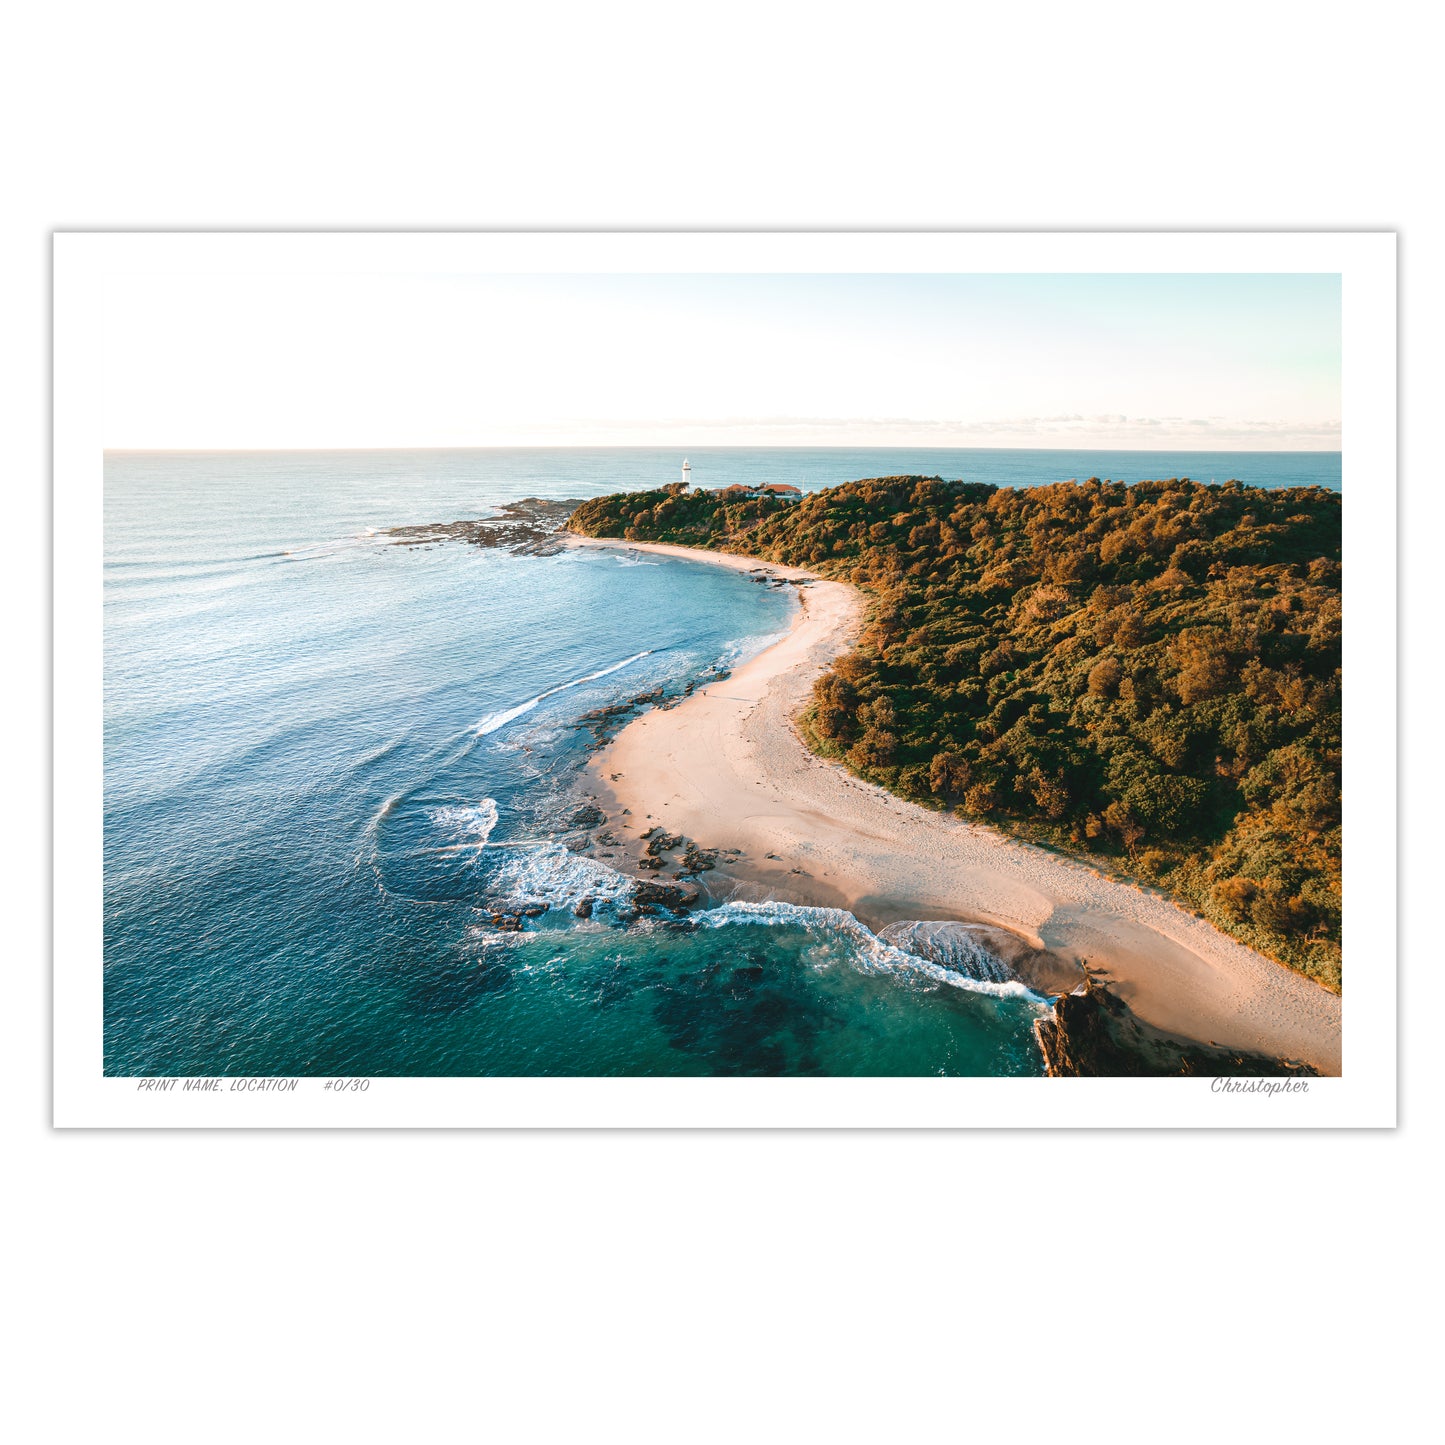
(604, 723)
(1093, 1033)
(674, 897)
(503, 922)
(697, 860)
(534, 527)
(660, 842)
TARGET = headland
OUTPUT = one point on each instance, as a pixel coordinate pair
(727, 768)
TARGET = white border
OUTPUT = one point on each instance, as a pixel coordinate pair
(1364, 1096)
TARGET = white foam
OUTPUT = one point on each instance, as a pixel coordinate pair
(474, 825)
(744, 649)
(552, 874)
(955, 945)
(495, 720)
(868, 952)
(313, 551)
(603, 672)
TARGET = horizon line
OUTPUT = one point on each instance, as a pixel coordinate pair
(710, 447)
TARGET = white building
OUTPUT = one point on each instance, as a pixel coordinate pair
(686, 473)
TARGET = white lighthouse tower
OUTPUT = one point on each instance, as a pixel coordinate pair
(686, 473)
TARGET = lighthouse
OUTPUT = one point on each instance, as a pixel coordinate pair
(686, 473)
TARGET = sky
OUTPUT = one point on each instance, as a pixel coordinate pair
(1208, 362)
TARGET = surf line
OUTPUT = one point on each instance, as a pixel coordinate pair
(495, 720)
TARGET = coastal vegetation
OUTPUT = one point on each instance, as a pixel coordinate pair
(1146, 675)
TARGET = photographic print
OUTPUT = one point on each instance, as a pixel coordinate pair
(590, 661)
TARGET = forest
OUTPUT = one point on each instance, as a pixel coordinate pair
(1145, 675)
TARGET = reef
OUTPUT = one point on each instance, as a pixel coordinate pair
(533, 527)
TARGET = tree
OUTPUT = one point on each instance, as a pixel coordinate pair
(1104, 677)
(1202, 656)
(949, 774)
(1102, 664)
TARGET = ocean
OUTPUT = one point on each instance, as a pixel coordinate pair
(329, 759)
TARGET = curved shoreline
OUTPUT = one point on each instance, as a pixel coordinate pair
(727, 768)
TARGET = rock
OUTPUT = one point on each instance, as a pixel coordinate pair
(698, 860)
(589, 815)
(604, 722)
(675, 897)
(577, 845)
(583, 908)
(1093, 1033)
(532, 526)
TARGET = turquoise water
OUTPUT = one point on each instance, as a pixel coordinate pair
(328, 758)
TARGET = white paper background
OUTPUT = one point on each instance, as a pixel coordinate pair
(1363, 1096)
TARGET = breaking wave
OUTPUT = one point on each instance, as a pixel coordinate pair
(744, 649)
(867, 951)
(495, 720)
(312, 551)
(957, 946)
(472, 826)
(552, 874)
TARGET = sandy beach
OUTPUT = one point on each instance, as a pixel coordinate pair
(727, 768)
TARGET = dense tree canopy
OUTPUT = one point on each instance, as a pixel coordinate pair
(1148, 673)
